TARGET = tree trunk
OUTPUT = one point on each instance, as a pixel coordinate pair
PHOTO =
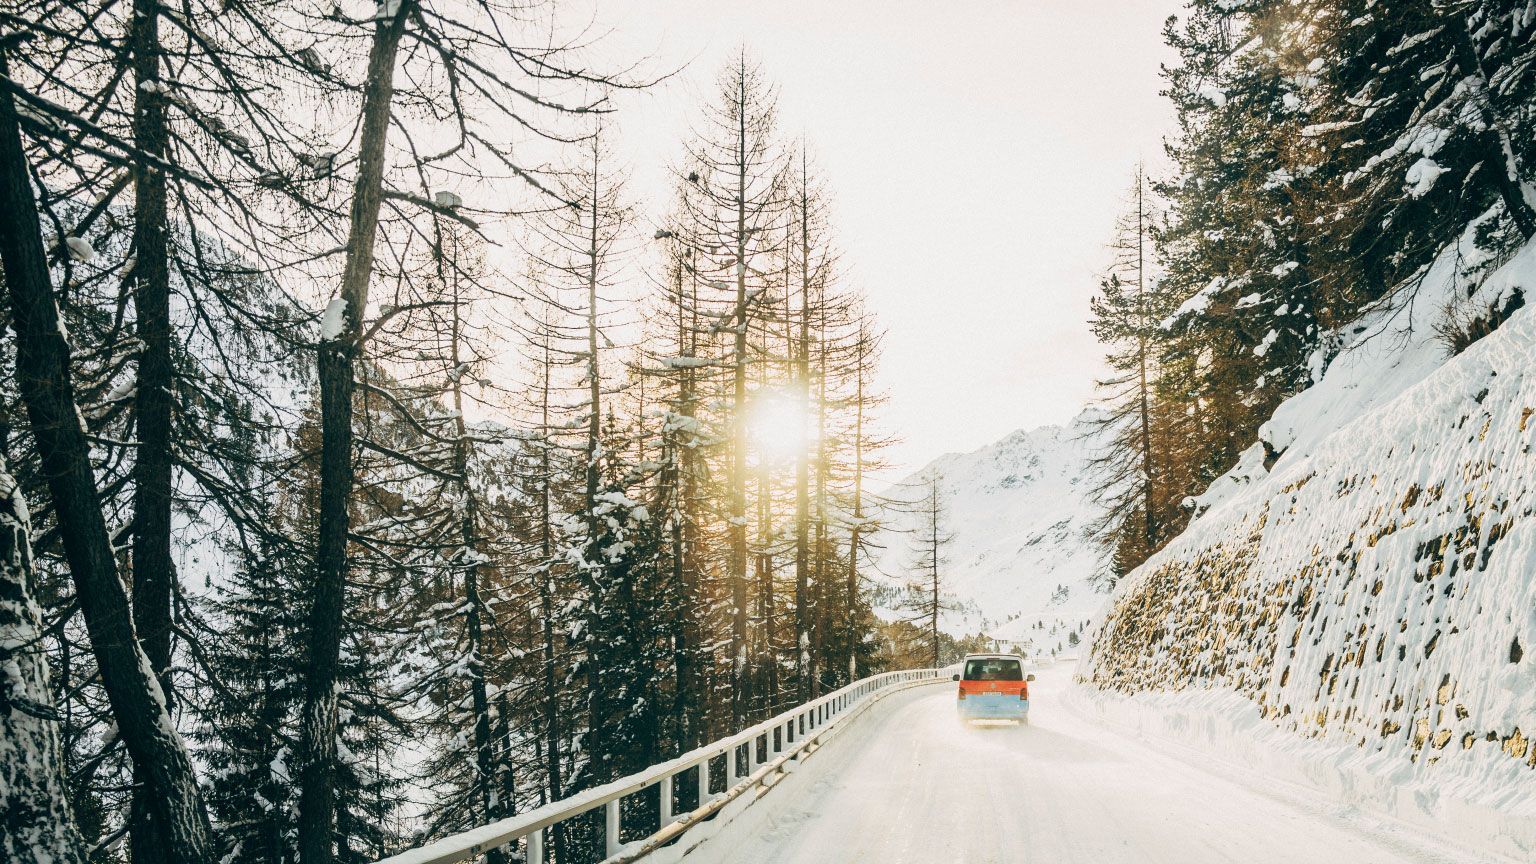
(767, 601)
(339, 353)
(153, 572)
(1149, 527)
(802, 357)
(933, 610)
(36, 822)
(933, 512)
(820, 549)
(469, 540)
(737, 529)
(551, 704)
(852, 606)
(597, 728)
(689, 652)
(43, 378)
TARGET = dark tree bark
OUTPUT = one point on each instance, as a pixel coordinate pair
(855, 538)
(152, 573)
(339, 353)
(801, 348)
(554, 781)
(42, 376)
(741, 695)
(1144, 395)
(683, 471)
(491, 803)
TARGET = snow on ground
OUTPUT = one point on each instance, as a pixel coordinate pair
(1373, 592)
(1219, 730)
(909, 785)
(1021, 561)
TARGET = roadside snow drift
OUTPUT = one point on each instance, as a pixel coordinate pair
(1375, 587)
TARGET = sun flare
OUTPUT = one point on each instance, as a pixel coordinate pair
(778, 427)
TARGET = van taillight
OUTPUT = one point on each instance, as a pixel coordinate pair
(962, 694)
(1023, 694)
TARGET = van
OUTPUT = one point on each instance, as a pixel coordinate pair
(993, 687)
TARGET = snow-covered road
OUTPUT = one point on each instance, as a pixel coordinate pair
(908, 784)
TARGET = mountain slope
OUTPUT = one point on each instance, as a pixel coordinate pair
(1374, 587)
(1021, 562)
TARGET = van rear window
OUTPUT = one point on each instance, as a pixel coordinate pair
(994, 669)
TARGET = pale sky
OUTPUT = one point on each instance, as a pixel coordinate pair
(977, 152)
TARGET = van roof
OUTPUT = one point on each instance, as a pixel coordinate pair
(994, 654)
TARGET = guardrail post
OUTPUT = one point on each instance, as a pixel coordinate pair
(611, 827)
(730, 767)
(535, 850)
(666, 801)
(703, 782)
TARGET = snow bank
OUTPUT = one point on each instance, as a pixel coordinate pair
(1217, 730)
(1374, 588)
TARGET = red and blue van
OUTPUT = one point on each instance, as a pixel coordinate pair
(993, 687)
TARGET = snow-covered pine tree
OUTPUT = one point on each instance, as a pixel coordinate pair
(455, 533)
(1425, 110)
(1238, 245)
(674, 354)
(583, 249)
(248, 713)
(546, 469)
(339, 351)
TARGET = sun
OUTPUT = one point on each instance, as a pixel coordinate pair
(778, 427)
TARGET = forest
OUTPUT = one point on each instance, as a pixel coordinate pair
(361, 512)
(375, 465)
(1327, 153)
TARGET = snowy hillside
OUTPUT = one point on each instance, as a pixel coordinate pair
(1021, 561)
(1374, 587)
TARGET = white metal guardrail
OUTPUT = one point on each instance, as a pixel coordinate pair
(787, 738)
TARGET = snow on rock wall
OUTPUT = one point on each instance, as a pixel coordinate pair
(1022, 562)
(1375, 586)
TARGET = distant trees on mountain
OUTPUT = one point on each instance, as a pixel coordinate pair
(927, 596)
(1327, 152)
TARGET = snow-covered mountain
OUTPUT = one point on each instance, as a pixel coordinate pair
(1022, 562)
